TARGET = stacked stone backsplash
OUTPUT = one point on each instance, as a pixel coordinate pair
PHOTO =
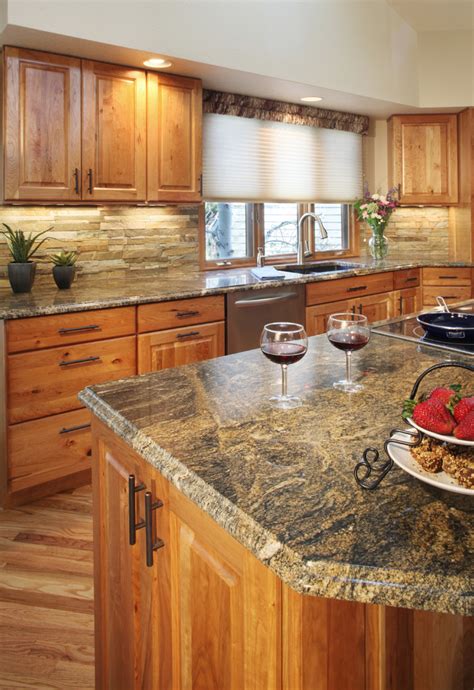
(414, 233)
(109, 238)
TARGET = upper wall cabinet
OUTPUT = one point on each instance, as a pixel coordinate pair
(42, 145)
(113, 133)
(422, 158)
(174, 138)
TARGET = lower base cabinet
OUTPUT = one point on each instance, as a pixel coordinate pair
(200, 612)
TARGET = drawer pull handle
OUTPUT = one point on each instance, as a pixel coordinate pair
(65, 331)
(356, 288)
(76, 180)
(411, 280)
(86, 360)
(191, 334)
(448, 277)
(70, 429)
(151, 545)
(132, 525)
(186, 314)
(450, 297)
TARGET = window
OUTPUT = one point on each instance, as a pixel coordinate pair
(234, 231)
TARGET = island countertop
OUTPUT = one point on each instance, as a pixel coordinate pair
(125, 288)
(281, 482)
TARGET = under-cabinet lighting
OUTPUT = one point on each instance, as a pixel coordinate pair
(311, 99)
(157, 63)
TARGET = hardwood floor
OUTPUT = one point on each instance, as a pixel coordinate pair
(46, 594)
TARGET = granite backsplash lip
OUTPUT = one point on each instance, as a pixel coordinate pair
(282, 483)
(134, 287)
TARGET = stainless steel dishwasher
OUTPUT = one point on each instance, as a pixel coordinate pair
(249, 310)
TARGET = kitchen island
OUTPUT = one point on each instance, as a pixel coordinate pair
(262, 564)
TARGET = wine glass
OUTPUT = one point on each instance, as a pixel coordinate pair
(348, 332)
(284, 344)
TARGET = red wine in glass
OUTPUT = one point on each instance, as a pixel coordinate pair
(284, 343)
(348, 332)
(350, 340)
(284, 353)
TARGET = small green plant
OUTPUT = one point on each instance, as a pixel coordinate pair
(21, 247)
(64, 258)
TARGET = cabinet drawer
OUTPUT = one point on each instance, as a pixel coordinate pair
(183, 312)
(406, 279)
(447, 276)
(347, 288)
(47, 382)
(173, 348)
(62, 329)
(450, 294)
(62, 446)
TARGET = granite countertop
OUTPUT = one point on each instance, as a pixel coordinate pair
(281, 482)
(133, 287)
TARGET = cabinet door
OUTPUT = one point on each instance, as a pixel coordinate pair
(375, 308)
(132, 614)
(42, 145)
(317, 317)
(226, 608)
(113, 133)
(177, 346)
(423, 158)
(174, 138)
(407, 301)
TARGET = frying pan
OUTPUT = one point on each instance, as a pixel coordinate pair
(448, 326)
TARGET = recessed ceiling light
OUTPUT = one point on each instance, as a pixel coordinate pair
(157, 63)
(311, 99)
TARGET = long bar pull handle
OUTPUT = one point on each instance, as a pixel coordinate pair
(360, 308)
(86, 360)
(400, 302)
(70, 429)
(65, 331)
(76, 180)
(132, 525)
(265, 300)
(411, 279)
(356, 288)
(89, 177)
(186, 314)
(158, 543)
(191, 334)
(448, 277)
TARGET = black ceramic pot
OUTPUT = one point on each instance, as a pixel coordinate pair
(64, 275)
(21, 276)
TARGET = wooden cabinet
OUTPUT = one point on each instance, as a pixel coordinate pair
(454, 284)
(113, 133)
(180, 312)
(408, 278)
(348, 288)
(174, 138)
(42, 112)
(317, 316)
(375, 307)
(422, 158)
(407, 301)
(177, 346)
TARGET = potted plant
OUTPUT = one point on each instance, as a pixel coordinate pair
(21, 269)
(376, 210)
(64, 268)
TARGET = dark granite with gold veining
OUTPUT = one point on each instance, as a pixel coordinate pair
(135, 287)
(281, 482)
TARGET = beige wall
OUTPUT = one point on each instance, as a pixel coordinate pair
(446, 68)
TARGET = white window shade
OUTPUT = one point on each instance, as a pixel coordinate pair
(255, 160)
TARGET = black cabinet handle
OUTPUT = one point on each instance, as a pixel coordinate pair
(132, 525)
(360, 308)
(86, 360)
(411, 280)
(448, 277)
(353, 310)
(400, 302)
(200, 184)
(158, 543)
(89, 177)
(186, 314)
(76, 180)
(356, 288)
(65, 331)
(187, 335)
(70, 429)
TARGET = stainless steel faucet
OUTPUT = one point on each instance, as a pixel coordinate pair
(301, 241)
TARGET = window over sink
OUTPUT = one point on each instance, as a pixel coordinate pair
(233, 232)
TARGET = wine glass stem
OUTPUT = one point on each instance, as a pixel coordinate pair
(284, 379)
(348, 366)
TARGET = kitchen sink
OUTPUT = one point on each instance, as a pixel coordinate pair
(320, 267)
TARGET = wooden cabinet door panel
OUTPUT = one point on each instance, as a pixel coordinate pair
(376, 308)
(113, 132)
(348, 288)
(42, 126)
(406, 279)
(165, 349)
(317, 316)
(450, 294)
(174, 138)
(407, 301)
(48, 381)
(181, 312)
(448, 276)
(423, 158)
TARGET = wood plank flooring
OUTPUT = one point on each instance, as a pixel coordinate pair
(46, 594)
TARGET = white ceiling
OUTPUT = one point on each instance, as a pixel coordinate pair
(436, 15)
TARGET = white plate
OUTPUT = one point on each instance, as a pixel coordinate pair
(401, 455)
(440, 437)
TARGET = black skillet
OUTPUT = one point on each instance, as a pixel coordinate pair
(449, 326)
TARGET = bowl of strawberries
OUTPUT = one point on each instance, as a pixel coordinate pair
(444, 414)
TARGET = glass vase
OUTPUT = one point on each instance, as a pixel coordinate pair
(378, 244)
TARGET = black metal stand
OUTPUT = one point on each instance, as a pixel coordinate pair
(371, 463)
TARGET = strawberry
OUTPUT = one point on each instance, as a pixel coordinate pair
(462, 408)
(443, 394)
(432, 415)
(465, 428)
